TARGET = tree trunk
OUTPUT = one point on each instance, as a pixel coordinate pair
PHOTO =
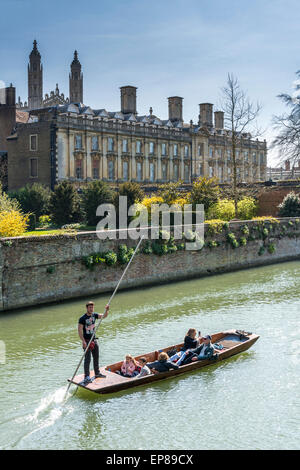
(235, 196)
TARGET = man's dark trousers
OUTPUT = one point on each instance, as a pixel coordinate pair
(87, 359)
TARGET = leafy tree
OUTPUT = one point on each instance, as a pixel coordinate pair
(134, 194)
(290, 206)
(65, 204)
(33, 198)
(133, 191)
(95, 193)
(7, 203)
(169, 192)
(204, 191)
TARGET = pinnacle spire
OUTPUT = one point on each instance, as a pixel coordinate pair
(35, 51)
(75, 60)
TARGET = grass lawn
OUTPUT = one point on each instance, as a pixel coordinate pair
(56, 231)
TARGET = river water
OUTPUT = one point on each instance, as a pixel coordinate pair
(250, 401)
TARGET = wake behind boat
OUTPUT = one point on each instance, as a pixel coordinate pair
(230, 342)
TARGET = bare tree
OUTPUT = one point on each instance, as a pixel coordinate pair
(240, 115)
(287, 140)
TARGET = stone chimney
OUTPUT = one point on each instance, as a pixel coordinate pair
(128, 99)
(175, 108)
(206, 114)
(219, 119)
(7, 114)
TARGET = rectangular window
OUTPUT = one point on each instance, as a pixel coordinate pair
(200, 150)
(220, 174)
(138, 146)
(78, 169)
(33, 142)
(110, 142)
(95, 145)
(164, 172)
(237, 154)
(163, 149)
(176, 172)
(254, 157)
(96, 169)
(186, 150)
(186, 173)
(175, 150)
(211, 152)
(211, 171)
(151, 147)
(261, 158)
(246, 154)
(139, 173)
(33, 168)
(111, 170)
(125, 145)
(228, 152)
(200, 170)
(125, 171)
(152, 172)
(78, 141)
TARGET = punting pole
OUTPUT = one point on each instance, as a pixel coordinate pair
(99, 323)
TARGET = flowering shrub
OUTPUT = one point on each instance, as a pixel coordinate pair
(247, 208)
(263, 219)
(290, 206)
(13, 223)
(214, 226)
(44, 220)
(223, 209)
(148, 201)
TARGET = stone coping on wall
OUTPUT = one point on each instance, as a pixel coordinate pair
(93, 234)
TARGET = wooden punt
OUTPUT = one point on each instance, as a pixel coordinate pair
(232, 342)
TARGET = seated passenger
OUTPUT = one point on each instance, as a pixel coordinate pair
(202, 352)
(163, 364)
(144, 368)
(129, 367)
(190, 340)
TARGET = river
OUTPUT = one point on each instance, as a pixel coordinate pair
(250, 401)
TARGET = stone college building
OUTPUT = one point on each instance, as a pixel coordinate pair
(53, 138)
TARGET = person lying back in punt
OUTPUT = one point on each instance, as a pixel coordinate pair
(202, 352)
(163, 364)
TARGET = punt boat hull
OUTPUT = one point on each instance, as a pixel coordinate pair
(232, 342)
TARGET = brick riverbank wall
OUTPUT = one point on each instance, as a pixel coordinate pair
(44, 269)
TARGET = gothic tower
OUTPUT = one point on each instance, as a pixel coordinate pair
(35, 79)
(76, 81)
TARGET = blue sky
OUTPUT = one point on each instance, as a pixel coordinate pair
(165, 48)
